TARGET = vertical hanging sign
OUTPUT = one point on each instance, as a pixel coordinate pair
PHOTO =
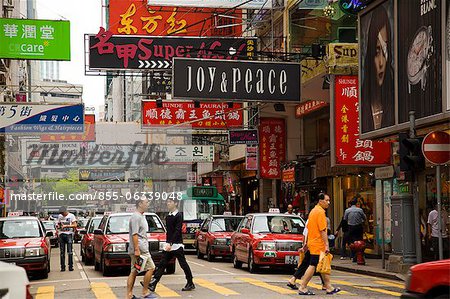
(272, 138)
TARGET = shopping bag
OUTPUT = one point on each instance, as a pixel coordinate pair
(324, 265)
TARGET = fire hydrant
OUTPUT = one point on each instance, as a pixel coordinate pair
(358, 248)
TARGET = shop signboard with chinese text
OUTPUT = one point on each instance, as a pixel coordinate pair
(187, 153)
(251, 157)
(34, 39)
(112, 52)
(288, 174)
(88, 135)
(209, 115)
(39, 118)
(243, 136)
(133, 17)
(272, 149)
(349, 149)
(241, 4)
(236, 80)
(308, 107)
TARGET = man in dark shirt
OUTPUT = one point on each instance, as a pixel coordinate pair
(355, 218)
(173, 247)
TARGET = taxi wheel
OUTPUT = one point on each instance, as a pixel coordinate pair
(236, 264)
(44, 274)
(105, 269)
(170, 268)
(96, 265)
(48, 265)
(209, 255)
(252, 267)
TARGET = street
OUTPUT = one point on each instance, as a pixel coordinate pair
(213, 280)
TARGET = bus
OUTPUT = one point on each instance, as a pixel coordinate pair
(197, 203)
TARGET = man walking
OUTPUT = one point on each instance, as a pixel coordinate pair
(138, 249)
(433, 231)
(317, 242)
(67, 223)
(355, 218)
(173, 248)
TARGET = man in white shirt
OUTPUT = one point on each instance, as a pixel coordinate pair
(67, 223)
(433, 231)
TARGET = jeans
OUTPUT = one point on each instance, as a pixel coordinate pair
(167, 256)
(63, 240)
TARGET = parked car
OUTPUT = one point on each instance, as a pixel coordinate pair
(111, 242)
(50, 226)
(428, 280)
(214, 236)
(24, 242)
(13, 282)
(87, 241)
(81, 223)
(267, 240)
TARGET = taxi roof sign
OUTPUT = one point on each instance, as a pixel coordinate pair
(13, 214)
(274, 210)
(227, 214)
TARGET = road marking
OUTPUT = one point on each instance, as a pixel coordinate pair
(262, 284)
(55, 281)
(220, 270)
(47, 292)
(79, 266)
(83, 275)
(391, 284)
(102, 290)
(319, 287)
(197, 264)
(372, 289)
(214, 287)
(164, 291)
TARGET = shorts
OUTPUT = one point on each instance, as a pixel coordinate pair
(149, 265)
(314, 260)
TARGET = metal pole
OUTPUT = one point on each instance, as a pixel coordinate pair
(438, 197)
(29, 16)
(383, 262)
(412, 134)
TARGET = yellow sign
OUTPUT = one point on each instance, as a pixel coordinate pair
(312, 68)
(342, 58)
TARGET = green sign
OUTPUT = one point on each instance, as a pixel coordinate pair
(34, 39)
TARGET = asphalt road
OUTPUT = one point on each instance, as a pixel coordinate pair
(213, 280)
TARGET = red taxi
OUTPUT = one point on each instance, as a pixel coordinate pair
(428, 280)
(24, 242)
(267, 240)
(111, 242)
(214, 236)
(87, 241)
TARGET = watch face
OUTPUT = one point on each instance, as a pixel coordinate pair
(418, 52)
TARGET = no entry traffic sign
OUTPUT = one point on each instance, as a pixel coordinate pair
(436, 147)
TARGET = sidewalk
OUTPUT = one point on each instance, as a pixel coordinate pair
(373, 267)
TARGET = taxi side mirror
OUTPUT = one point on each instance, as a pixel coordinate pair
(82, 232)
(98, 232)
(245, 231)
(49, 234)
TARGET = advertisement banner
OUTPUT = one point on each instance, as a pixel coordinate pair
(251, 158)
(241, 4)
(342, 57)
(231, 80)
(308, 107)
(108, 51)
(350, 150)
(131, 17)
(272, 149)
(420, 58)
(39, 118)
(376, 36)
(34, 39)
(210, 115)
(88, 135)
(243, 136)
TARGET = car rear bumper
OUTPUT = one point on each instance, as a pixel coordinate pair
(220, 250)
(30, 263)
(410, 295)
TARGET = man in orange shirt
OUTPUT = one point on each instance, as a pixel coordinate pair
(317, 242)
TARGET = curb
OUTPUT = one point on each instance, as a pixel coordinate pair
(393, 276)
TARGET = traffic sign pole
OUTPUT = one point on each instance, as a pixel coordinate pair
(438, 197)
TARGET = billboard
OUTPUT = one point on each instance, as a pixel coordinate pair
(235, 80)
(112, 52)
(34, 39)
(420, 58)
(377, 68)
(272, 149)
(248, 137)
(209, 115)
(88, 135)
(241, 4)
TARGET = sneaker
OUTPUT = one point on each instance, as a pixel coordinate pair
(62, 270)
(71, 269)
(188, 287)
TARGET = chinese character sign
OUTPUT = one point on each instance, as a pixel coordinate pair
(34, 39)
(88, 135)
(350, 150)
(209, 115)
(272, 150)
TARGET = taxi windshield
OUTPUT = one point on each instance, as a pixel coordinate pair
(278, 224)
(14, 229)
(224, 224)
(118, 225)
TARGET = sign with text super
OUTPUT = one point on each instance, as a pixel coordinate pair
(34, 39)
(108, 51)
(241, 4)
(38, 118)
(235, 80)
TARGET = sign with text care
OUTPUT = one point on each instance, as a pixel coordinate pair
(236, 80)
(34, 39)
(130, 17)
(308, 107)
(243, 136)
(272, 149)
(108, 51)
(350, 150)
(242, 4)
(39, 118)
(210, 115)
(88, 135)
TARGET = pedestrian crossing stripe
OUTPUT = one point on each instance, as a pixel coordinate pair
(164, 291)
(319, 287)
(102, 290)
(390, 284)
(214, 287)
(265, 285)
(45, 292)
(372, 289)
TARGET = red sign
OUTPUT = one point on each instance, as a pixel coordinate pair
(251, 157)
(436, 147)
(289, 175)
(88, 135)
(272, 138)
(134, 17)
(209, 115)
(350, 150)
(308, 107)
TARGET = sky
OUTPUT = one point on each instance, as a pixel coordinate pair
(85, 17)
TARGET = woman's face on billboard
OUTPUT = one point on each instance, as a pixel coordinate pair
(380, 59)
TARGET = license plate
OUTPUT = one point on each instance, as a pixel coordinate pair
(291, 259)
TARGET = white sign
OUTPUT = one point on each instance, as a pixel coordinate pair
(35, 152)
(253, 4)
(274, 210)
(386, 172)
(188, 153)
(13, 214)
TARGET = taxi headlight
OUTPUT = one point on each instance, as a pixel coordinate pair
(266, 246)
(220, 241)
(34, 251)
(118, 247)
